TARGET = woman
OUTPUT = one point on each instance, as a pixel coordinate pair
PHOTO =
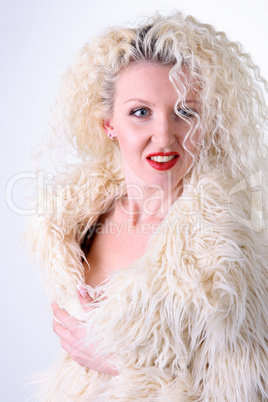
(158, 226)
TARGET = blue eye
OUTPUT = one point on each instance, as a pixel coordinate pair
(141, 112)
(186, 112)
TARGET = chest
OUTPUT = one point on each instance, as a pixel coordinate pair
(113, 249)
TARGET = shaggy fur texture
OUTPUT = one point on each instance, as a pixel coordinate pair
(186, 322)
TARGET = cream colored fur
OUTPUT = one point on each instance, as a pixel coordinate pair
(186, 322)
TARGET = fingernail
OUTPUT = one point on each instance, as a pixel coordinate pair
(83, 292)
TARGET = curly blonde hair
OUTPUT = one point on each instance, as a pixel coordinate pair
(233, 117)
(234, 114)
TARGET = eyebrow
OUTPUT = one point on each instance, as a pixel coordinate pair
(139, 100)
(152, 104)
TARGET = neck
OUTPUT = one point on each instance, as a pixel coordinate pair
(148, 203)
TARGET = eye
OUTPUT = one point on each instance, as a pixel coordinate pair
(140, 112)
(186, 112)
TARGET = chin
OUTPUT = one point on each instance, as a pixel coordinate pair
(164, 185)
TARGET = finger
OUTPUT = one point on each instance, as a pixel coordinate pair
(85, 299)
(60, 330)
(63, 317)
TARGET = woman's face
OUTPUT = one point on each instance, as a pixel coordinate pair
(149, 132)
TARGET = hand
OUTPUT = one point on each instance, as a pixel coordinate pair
(72, 335)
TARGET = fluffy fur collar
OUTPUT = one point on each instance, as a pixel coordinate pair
(186, 322)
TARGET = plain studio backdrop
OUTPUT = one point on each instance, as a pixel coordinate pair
(38, 40)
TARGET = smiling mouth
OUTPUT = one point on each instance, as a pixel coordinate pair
(162, 161)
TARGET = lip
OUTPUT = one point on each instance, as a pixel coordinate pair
(163, 154)
(163, 165)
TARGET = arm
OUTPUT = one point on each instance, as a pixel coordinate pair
(72, 335)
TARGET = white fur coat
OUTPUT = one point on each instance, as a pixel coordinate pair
(186, 322)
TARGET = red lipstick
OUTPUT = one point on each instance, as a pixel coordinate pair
(163, 165)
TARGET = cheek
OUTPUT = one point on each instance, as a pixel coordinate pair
(127, 144)
(129, 148)
(130, 139)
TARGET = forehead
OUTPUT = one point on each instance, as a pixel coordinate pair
(150, 79)
(142, 73)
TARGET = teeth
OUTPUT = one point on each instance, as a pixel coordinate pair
(162, 158)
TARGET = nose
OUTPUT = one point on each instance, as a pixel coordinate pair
(163, 132)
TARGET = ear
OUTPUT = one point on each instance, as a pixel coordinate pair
(108, 127)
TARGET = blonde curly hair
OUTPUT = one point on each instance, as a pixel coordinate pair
(233, 118)
(234, 114)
